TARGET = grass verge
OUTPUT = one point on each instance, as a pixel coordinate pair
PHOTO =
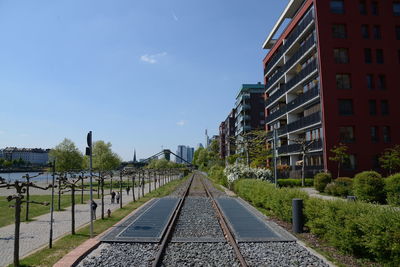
(48, 257)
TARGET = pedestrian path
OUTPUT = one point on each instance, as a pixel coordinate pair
(35, 234)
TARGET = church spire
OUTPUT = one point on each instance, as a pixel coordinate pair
(134, 156)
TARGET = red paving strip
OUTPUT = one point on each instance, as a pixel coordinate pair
(78, 253)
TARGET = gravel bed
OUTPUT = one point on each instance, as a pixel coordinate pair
(199, 254)
(178, 192)
(197, 188)
(278, 254)
(121, 254)
(214, 191)
(198, 219)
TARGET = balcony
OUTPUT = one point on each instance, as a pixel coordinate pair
(306, 71)
(297, 31)
(289, 64)
(310, 68)
(296, 148)
(304, 122)
(300, 100)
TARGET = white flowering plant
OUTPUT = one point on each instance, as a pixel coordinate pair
(238, 171)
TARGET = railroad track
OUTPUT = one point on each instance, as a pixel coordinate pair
(198, 225)
(196, 192)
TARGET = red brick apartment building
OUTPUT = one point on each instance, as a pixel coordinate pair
(333, 75)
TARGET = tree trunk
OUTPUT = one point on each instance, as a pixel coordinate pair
(83, 187)
(111, 186)
(16, 234)
(27, 201)
(73, 209)
(98, 187)
(102, 198)
(338, 170)
(59, 195)
(120, 191)
(143, 185)
(302, 170)
(133, 188)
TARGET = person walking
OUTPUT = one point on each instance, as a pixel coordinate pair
(94, 207)
(128, 189)
(112, 197)
(118, 197)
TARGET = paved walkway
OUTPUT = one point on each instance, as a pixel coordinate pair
(35, 234)
(312, 192)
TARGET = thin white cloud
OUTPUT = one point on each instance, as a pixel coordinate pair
(152, 59)
(2, 132)
(174, 16)
(181, 123)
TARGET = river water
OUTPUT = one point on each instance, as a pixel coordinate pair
(12, 176)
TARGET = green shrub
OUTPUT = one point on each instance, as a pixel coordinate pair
(392, 188)
(363, 229)
(321, 180)
(278, 201)
(216, 173)
(294, 182)
(341, 186)
(369, 186)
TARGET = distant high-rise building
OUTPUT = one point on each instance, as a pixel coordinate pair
(185, 153)
(227, 136)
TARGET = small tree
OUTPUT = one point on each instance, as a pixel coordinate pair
(390, 159)
(67, 155)
(20, 188)
(340, 155)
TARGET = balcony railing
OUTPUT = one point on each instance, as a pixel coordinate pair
(289, 41)
(311, 67)
(303, 98)
(304, 122)
(293, 148)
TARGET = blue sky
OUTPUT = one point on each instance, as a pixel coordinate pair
(139, 74)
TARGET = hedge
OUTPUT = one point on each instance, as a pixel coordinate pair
(294, 182)
(363, 229)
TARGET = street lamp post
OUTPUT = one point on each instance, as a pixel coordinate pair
(89, 153)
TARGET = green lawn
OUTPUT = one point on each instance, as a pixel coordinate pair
(7, 213)
(48, 257)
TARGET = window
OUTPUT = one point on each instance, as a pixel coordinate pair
(337, 6)
(365, 31)
(346, 107)
(350, 163)
(377, 32)
(374, 134)
(385, 107)
(396, 8)
(386, 134)
(346, 134)
(370, 81)
(341, 55)
(363, 7)
(343, 81)
(368, 55)
(339, 31)
(381, 82)
(374, 8)
(372, 107)
(379, 56)
(397, 32)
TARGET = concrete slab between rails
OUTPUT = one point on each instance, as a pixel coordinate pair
(75, 256)
(148, 226)
(246, 225)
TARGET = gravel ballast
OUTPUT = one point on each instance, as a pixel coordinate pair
(199, 254)
(279, 254)
(121, 254)
(197, 220)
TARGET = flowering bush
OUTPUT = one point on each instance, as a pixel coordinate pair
(234, 172)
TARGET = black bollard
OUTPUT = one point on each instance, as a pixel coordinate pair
(298, 221)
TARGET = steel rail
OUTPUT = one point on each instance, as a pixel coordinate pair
(225, 228)
(171, 223)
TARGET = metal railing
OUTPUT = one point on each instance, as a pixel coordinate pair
(304, 122)
(293, 148)
(297, 31)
